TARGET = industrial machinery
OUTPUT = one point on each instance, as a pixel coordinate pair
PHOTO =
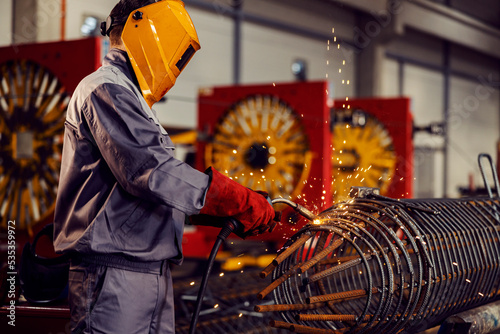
(268, 137)
(376, 264)
(36, 81)
(372, 146)
(288, 140)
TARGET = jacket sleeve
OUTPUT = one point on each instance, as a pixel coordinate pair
(138, 154)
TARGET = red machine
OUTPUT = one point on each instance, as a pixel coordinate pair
(286, 140)
(270, 137)
(69, 61)
(37, 81)
(377, 137)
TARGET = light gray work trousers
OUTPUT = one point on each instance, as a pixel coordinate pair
(105, 299)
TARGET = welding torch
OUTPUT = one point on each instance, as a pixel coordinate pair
(297, 207)
(232, 225)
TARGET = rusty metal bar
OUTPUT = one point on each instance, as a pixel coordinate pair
(292, 248)
(311, 262)
(333, 270)
(285, 254)
(277, 282)
(287, 307)
(267, 270)
(280, 324)
(339, 295)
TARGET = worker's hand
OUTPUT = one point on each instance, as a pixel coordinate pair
(227, 198)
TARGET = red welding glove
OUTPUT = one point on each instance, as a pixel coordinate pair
(227, 198)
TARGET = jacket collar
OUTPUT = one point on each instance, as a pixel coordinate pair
(119, 58)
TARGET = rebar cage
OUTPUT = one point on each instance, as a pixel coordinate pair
(378, 264)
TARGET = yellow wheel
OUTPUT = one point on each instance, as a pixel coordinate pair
(32, 113)
(261, 144)
(363, 153)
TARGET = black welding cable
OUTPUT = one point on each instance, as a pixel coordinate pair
(230, 226)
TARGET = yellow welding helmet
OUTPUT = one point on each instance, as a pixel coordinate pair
(160, 39)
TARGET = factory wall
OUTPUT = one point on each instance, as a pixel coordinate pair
(212, 65)
(461, 96)
(78, 10)
(6, 22)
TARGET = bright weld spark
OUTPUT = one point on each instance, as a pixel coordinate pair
(216, 305)
(192, 283)
(221, 274)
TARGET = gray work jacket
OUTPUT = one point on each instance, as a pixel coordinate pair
(121, 191)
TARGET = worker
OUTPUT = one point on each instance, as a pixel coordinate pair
(123, 198)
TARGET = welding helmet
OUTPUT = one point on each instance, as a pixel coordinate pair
(160, 39)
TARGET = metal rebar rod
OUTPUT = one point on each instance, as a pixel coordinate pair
(280, 324)
(285, 254)
(267, 270)
(277, 282)
(316, 258)
(292, 248)
(333, 270)
(339, 295)
(288, 307)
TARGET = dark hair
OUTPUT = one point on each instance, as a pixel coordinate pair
(120, 14)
